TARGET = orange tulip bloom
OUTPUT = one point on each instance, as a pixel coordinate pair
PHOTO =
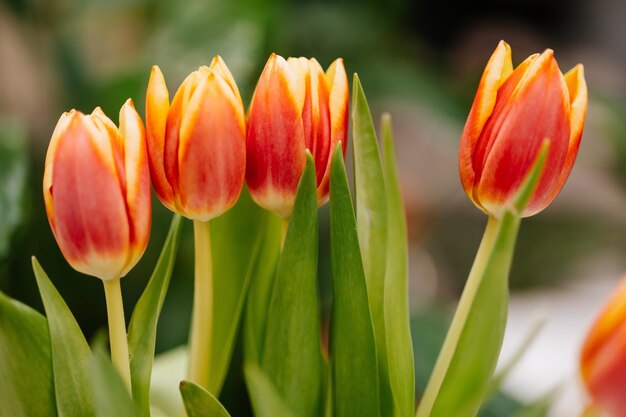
(296, 106)
(196, 145)
(603, 357)
(96, 189)
(513, 112)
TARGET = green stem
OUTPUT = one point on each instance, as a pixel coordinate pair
(283, 232)
(458, 322)
(202, 321)
(117, 329)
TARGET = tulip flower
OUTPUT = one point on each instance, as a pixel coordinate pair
(603, 357)
(96, 190)
(513, 112)
(296, 106)
(196, 144)
(197, 150)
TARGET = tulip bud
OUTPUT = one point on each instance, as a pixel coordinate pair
(96, 190)
(196, 144)
(295, 107)
(513, 112)
(603, 357)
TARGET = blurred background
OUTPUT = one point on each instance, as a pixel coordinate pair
(419, 60)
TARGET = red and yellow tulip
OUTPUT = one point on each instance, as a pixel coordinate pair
(603, 357)
(296, 106)
(513, 112)
(96, 189)
(196, 144)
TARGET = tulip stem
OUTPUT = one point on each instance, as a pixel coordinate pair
(202, 320)
(283, 232)
(117, 329)
(454, 333)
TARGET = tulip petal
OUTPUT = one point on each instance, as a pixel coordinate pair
(212, 150)
(138, 199)
(93, 233)
(109, 143)
(577, 88)
(540, 96)
(62, 125)
(219, 66)
(498, 69)
(157, 108)
(275, 140)
(338, 100)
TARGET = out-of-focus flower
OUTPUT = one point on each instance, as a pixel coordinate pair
(296, 106)
(513, 112)
(197, 144)
(96, 189)
(603, 357)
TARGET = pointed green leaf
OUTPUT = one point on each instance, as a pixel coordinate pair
(143, 323)
(200, 402)
(237, 238)
(266, 401)
(70, 352)
(353, 347)
(371, 217)
(397, 316)
(110, 395)
(472, 346)
(292, 357)
(25, 362)
(169, 369)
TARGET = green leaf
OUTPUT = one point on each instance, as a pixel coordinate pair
(266, 401)
(371, 217)
(292, 358)
(472, 346)
(237, 238)
(110, 395)
(200, 402)
(13, 176)
(25, 362)
(397, 315)
(169, 369)
(352, 343)
(70, 352)
(143, 323)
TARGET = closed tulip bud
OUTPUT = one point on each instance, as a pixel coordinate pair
(296, 106)
(96, 190)
(196, 144)
(513, 112)
(603, 357)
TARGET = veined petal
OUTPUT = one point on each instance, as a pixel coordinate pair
(339, 92)
(138, 200)
(275, 140)
(498, 69)
(157, 108)
(59, 132)
(212, 151)
(90, 211)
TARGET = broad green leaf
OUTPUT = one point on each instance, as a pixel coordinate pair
(397, 315)
(292, 358)
(352, 344)
(260, 289)
(25, 362)
(111, 397)
(266, 401)
(13, 176)
(472, 346)
(200, 402)
(237, 238)
(70, 352)
(143, 323)
(371, 218)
